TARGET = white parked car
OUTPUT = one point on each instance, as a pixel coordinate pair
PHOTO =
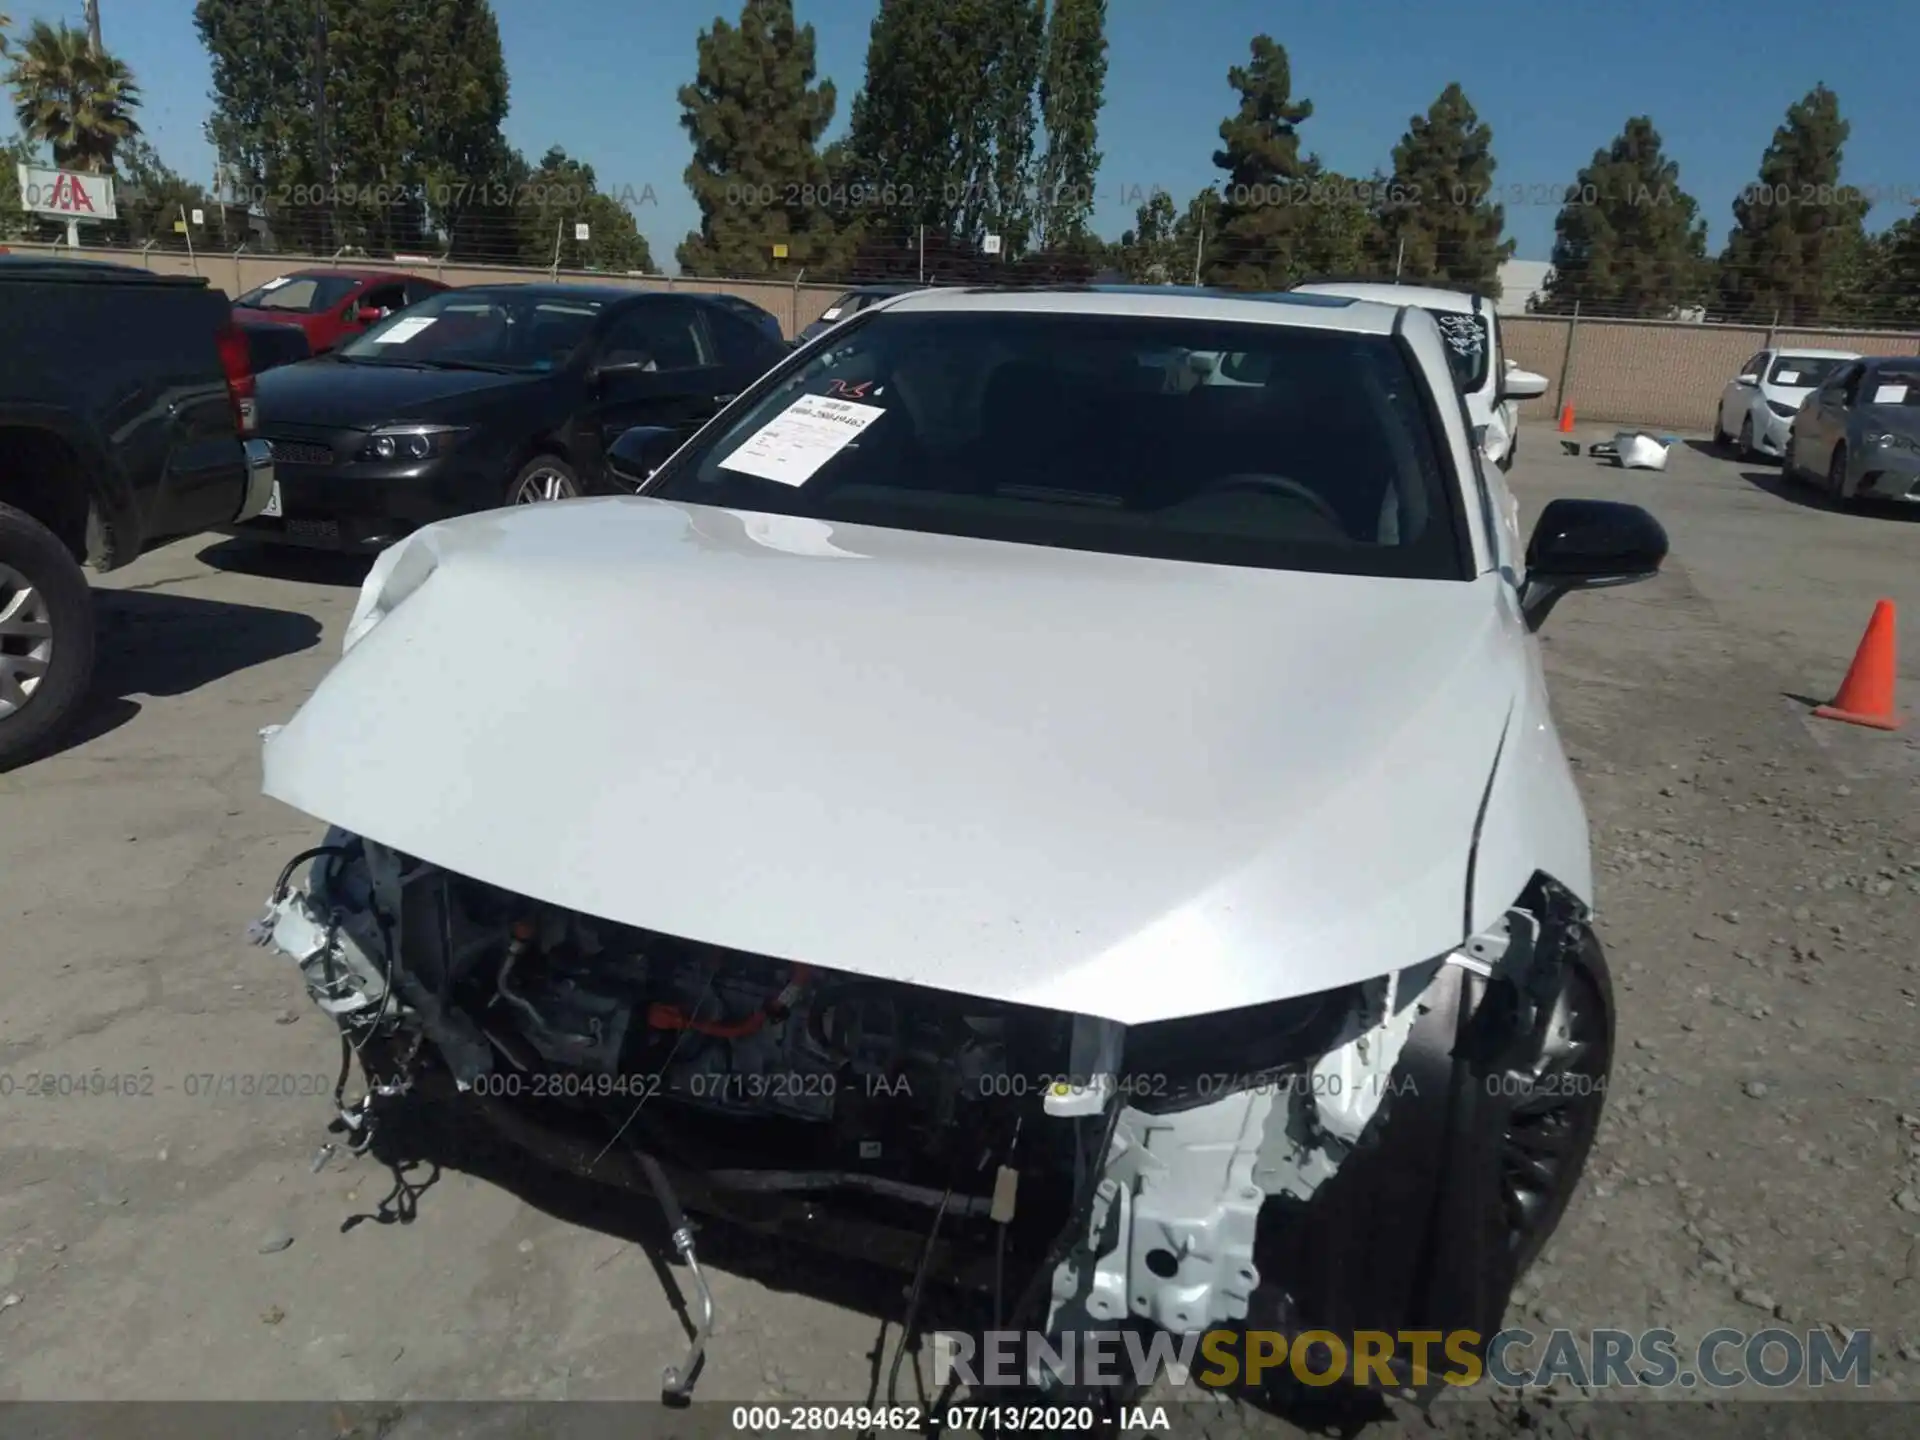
(1492, 384)
(977, 787)
(1758, 405)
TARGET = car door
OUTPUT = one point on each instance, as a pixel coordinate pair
(1736, 399)
(387, 297)
(1855, 389)
(655, 363)
(1821, 421)
(1508, 410)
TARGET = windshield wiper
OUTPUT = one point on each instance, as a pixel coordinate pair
(487, 365)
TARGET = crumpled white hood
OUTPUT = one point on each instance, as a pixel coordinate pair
(1128, 788)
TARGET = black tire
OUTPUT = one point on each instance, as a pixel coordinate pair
(1789, 466)
(1720, 436)
(1743, 447)
(1564, 1081)
(1837, 478)
(540, 465)
(31, 552)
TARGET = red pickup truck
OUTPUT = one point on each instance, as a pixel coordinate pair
(333, 305)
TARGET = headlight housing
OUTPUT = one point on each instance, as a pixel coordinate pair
(1887, 440)
(409, 443)
(1785, 412)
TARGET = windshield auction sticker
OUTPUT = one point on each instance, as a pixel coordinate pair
(405, 329)
(1890, 395)
(789, 448)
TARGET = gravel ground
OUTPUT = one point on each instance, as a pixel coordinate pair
(1759, 878)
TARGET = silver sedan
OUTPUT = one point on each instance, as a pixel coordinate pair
(1858, 435)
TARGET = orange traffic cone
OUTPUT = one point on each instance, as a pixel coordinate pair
(1566, 419)
(1866, 695)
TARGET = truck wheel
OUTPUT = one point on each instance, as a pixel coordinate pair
(46, 636)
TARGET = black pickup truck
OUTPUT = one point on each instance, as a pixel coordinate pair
(126, 411)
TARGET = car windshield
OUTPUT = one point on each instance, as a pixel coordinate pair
(1802, 371)
(300, 294)
(848, 304)
(1227, 443)
(1466, 338)
(1893, 385)
(477, 329)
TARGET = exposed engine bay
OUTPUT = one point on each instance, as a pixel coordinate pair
(1120, 1174)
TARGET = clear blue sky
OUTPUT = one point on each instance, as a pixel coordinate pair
(1556, 81)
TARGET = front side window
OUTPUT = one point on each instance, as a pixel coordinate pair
(658, 336)
(1892, 385)
(1226, 443)
(1465, 336)
(299, 294)
(479, 329)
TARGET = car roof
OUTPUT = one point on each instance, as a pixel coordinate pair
(1388, 292)
(1161, 302)
(1797, 353)
(556, 290)
(328, 272)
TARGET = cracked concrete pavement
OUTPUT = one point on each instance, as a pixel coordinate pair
(1759, 896)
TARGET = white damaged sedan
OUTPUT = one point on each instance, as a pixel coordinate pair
(1009, 779)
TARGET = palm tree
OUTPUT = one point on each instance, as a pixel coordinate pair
(79, 103)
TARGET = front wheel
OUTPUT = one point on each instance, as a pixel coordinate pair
(1720, 436)
(46, 636)
(1837, 478)
(1744, 446)
(1559, 1088)
(543, 478)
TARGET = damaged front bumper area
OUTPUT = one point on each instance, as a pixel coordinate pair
(1070, 1172)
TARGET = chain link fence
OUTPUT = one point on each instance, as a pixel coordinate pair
(1666, 373)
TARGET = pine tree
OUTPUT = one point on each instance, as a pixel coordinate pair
(562, 192)
(1442, 224)
(755, 116)
(337, 151)
(1254, 246)
(1149, 252)
(941, 134)
(1339, 221)
(151, 196)
(1797, 227)
(1891, 292)
(1628, 240)
(1072, 90)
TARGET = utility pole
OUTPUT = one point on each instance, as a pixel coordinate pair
(1199, 248)
(320, 114)
(1399, 259)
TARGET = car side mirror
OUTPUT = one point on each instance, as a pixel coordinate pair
(616, 369)
(369, 315)
(1588, 545)
(639, 452)
(1746, 379)
(1522, 385)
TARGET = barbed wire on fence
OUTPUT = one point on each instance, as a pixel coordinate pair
(1629, 287)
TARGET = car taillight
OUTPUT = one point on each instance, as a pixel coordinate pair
(237, 360)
